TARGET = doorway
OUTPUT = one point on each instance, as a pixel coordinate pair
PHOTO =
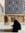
(5, 19)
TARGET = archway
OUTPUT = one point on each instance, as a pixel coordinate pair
(5, 19)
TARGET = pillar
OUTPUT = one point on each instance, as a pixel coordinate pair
(9, 18)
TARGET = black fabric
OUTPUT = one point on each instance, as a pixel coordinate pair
(16, 26)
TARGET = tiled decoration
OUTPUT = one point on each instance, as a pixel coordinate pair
(14, 6)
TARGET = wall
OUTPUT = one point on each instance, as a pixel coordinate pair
(1, 19)
(17, 17)
(2, 2)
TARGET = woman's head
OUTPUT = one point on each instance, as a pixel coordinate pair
(15, 21)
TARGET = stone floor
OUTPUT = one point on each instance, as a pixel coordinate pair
(9, 27)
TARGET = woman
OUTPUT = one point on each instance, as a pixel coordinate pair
(16, 26)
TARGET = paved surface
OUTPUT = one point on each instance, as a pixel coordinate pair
(2, 26)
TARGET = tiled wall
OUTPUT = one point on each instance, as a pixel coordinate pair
(14, 6)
